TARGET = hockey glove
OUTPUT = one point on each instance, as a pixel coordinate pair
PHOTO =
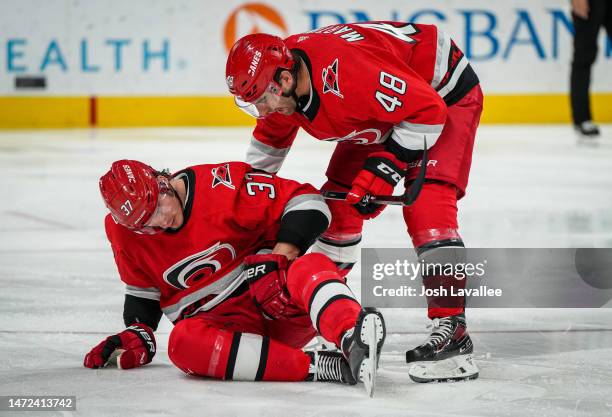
(267, 279)
(381, 172)
(136, 346)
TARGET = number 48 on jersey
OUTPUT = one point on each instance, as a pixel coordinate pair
(390, 84)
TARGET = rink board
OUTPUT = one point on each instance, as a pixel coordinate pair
(114, 111)
(108, 64)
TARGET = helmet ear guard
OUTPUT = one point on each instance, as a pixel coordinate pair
(130, 191)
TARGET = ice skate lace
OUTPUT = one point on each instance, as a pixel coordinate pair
(442, 329)
(328, 367)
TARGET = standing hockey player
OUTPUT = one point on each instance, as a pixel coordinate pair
(381, 90)
(195, 246)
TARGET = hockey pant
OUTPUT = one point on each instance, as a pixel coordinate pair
(235, 342)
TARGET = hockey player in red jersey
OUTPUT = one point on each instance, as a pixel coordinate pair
(215, 248)
(383, 91)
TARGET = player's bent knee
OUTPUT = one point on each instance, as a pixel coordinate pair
(308, 272)
(180, 337)
(310, 264)
(193, 345)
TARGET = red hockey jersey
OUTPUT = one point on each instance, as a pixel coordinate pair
(229, 212)
(370, 82)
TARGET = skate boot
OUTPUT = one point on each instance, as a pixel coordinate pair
(587, 128)
(446, 355)
(358, 347)
(587, 133)
(328, 366)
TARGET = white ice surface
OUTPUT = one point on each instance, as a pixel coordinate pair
(530, 186)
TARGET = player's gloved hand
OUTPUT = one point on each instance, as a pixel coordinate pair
(368, 210)
(381, 172)
(136, 345)
(267, 279)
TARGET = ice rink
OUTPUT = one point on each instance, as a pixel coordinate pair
(530, 186)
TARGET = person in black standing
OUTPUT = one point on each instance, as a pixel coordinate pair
(588, 17)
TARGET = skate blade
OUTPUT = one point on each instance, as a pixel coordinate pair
(367, 372)
(458, 368)
(587, 141)
(371, 335)
(377, 339)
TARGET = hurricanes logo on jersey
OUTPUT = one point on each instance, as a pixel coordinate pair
(221, 175)
(330, 79)
(196, 267)
(363, 137)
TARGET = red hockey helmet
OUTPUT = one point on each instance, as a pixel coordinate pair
(252, 65)
(130, 191)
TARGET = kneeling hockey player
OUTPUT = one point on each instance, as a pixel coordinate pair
(217, 249)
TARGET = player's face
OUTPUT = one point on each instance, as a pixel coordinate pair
(169, 211)
(276, 99)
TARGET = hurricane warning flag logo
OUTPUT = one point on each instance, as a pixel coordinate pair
(330, 79)
(221, 175)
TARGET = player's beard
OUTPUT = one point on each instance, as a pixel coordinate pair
(291, 93)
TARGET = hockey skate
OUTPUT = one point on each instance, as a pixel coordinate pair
(329, 366)
(446, 355)
(357, 347)
(587, 133)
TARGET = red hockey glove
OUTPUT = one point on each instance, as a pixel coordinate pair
(137, 345)
(267, 278)
(381, 172)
